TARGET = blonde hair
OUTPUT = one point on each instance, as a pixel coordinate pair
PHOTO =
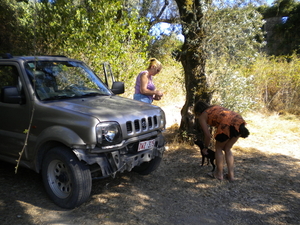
(154, 63)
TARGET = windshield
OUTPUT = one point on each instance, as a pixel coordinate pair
(61, 79)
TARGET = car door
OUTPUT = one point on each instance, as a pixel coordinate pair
(108, 75)
(109, 79)
(14, 117)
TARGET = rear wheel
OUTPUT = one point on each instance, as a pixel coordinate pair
(147, 167)
(67, 180)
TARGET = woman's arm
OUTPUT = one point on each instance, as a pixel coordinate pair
(203, 123)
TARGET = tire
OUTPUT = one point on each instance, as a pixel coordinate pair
(148, 167)
(67, 180)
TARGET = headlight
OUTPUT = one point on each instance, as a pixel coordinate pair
(109, 133)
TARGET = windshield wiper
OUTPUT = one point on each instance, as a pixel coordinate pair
(93, 94)
(56, 97)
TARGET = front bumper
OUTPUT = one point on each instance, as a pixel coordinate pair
(124, 159)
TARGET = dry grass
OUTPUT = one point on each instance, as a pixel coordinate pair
(267, 189)
(273, 134)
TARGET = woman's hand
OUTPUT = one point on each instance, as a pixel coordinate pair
(158, 93)
(204, 151)
(157, 96)
(203, 123)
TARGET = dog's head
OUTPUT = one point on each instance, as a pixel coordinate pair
(199, 143)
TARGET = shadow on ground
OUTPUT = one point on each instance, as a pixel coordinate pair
(267, 191)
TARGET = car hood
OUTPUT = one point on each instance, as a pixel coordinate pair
(109, 108)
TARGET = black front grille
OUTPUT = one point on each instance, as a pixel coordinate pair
(129, 127)
(150, 124)
(137, 125)
(155, 120)
(143, 124)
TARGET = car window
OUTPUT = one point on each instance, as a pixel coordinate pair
(61, 79)
(8, 76)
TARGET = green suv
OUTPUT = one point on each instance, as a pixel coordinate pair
(72, 125)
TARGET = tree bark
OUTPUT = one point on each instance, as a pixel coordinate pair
(193, 60)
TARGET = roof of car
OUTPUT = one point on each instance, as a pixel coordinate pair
(8, 56)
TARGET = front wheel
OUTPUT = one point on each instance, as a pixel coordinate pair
(67, 180)
(147, 167)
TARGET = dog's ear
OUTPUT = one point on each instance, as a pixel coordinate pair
(199, 143)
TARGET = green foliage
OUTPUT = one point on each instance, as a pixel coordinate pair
(271, 83)
(239, 76)
(279, 8)
(12, 33)
(287, 34)
(231, 87)
(283, 37)
(233, 41)
(94, 31)
(98, 31)
(234, 33)
(164, 47)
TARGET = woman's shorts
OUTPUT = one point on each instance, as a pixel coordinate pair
(142, 98)
(244, 132)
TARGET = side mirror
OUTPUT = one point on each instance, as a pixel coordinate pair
(11, 94)
(118, 88)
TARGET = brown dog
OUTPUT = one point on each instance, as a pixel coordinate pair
(210, 154)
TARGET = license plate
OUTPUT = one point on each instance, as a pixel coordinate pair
(144, 145)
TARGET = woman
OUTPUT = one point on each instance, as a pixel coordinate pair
(144, 87)
(229, 127)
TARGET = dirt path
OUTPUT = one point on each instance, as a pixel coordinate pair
(267, 190)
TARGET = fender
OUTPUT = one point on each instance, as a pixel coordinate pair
(63, 135)
(57, 134)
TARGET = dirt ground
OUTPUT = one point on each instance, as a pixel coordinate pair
(267, 189)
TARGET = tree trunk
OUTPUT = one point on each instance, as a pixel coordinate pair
(193, 60)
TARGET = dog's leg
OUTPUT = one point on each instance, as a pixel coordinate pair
(212, 163)
(203, 158)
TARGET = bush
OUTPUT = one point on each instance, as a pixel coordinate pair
(278, 82)
(231, 85)
(271, 83)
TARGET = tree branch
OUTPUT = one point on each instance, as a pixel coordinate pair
(157, 19)
(171, 20)
(162, 9)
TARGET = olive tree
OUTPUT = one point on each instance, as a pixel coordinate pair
(212, 30)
